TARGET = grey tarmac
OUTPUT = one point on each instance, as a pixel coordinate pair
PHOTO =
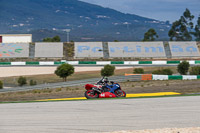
(100, 115)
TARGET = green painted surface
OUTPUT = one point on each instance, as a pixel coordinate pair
(175, 77)
(87, 62)
(197, 61)
(198, 76)
(5, 63)
(117, 62)
(94, 62)
(58, 63)
(32, 63)
(145, 62)
(173, 62)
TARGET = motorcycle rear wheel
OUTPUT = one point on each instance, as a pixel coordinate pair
(90, 94)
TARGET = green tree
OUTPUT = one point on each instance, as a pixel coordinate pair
(163, 72)
(64, 70)
(22, 81)
(197, 30)
(108, 70)
(138, 71)
(183, 67)
(150, 35)
(1, 85)
(54, 39)
(181, 29)
(48, 39)
(32, 83)
(195, 70)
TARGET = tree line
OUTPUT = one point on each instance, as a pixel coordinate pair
(181, 30)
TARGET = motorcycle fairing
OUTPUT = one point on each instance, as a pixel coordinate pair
(107, 95)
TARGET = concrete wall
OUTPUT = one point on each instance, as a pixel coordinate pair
(27, 38)
(136, 49)
(97, 50)
(184, 49)
(88, 49)
(13, 50)
(49, 49)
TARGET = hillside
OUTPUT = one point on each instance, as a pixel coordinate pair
(88, 22)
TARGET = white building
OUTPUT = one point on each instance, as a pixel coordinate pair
(15, 38)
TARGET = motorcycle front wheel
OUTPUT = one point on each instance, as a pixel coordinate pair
(120, 93)
(90, 94)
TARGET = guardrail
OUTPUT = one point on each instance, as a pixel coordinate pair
(102, 63)
(175, 77)
(166, 77)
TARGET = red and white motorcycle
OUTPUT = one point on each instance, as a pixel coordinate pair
(101, 90)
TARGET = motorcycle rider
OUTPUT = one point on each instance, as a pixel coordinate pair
(106, 85)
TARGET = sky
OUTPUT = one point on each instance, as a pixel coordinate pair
(156, 9)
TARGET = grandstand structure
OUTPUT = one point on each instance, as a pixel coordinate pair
(136, 49)
(14, 50)
(184, 49)
(88, 49)
(49, 50)
(100, 50)
(15, 38)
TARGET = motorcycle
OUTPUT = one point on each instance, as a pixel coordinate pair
(101, 90)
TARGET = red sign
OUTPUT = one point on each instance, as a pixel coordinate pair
(0, 39)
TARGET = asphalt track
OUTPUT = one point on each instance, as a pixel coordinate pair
(100, 115)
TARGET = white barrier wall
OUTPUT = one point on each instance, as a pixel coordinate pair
(160, 77)
(72, 62)
(136, 49)
(49, 49)
(26, 38)
(184, 49)
(131, 62)
(103, 62)
(159, 62)
(46, 63)
(14, 50)
(189, 77)
(18, 63)
(88, 49)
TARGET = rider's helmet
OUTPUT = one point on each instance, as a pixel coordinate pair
(105, 80)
